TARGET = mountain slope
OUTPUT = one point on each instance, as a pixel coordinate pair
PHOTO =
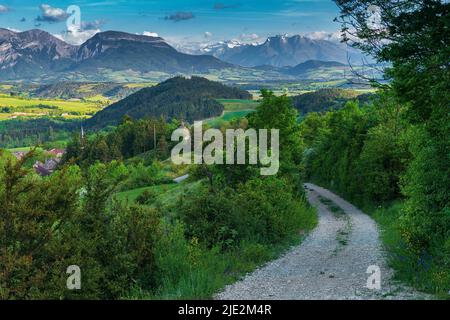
(122, 51)
(36, 54)
(311, 65)
(281, 51)
(32, 53)
(181, 98)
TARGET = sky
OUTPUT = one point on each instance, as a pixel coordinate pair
(178, 21)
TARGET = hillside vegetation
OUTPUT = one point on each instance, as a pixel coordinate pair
(113, 210)
(326, 99)
(180, 98)
(398, 149)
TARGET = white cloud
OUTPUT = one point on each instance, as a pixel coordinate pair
(323, 35)
(92, 25)
(51, 14)
(208, 34)
(249, 37)
(4, 9)
(77, 37)
(150, 34)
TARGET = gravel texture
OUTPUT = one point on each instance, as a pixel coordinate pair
(331, 263)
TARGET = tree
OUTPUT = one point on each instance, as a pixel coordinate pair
(414, 37)
(34, 216)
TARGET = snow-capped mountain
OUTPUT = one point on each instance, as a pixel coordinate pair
(280, 51)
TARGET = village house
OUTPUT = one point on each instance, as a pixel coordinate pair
(49, 166)
(57, 152)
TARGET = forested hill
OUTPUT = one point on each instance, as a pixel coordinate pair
(182, 98)
(326, 99)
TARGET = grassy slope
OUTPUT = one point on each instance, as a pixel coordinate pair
(23, 149)
(234, 109)
(167, 193)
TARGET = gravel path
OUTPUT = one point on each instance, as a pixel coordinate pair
(331, 263)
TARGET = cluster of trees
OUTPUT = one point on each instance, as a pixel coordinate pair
(30, 132)
(326, 99)
(49, 224)
(239, 204)
(361, 152)
(129, 139)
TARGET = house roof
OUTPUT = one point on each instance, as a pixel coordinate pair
(41, 170)
(56, 151)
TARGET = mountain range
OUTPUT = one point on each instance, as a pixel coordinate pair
(36, 55)
(281, 51)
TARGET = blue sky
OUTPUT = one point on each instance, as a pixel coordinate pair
(178, 20)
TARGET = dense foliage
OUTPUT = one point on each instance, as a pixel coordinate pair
(20, 132)
(326, 99)
(49, 224)
(402, 148)
(149, 137)
(180, 98)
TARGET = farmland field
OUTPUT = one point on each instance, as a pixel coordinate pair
(13, 107)
(236, 104)
(234, 109)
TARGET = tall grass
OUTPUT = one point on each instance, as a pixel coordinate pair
(426, 271)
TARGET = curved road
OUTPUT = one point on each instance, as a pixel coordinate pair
(331, 263)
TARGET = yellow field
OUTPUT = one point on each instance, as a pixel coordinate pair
(12, 107)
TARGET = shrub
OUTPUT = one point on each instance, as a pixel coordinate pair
(148, 197)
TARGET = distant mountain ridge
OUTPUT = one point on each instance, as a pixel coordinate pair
(32, 53)
(302, 69)
(36, 53)
(281, 51)
(114, 56)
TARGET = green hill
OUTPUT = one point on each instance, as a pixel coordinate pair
(188, 99)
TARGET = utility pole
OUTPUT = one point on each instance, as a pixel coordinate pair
(154, 136)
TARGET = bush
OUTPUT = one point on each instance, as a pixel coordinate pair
(261, 211)
(148, 197)
(133, 236)
(268, 212)
(209, 215)
(142, 176)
